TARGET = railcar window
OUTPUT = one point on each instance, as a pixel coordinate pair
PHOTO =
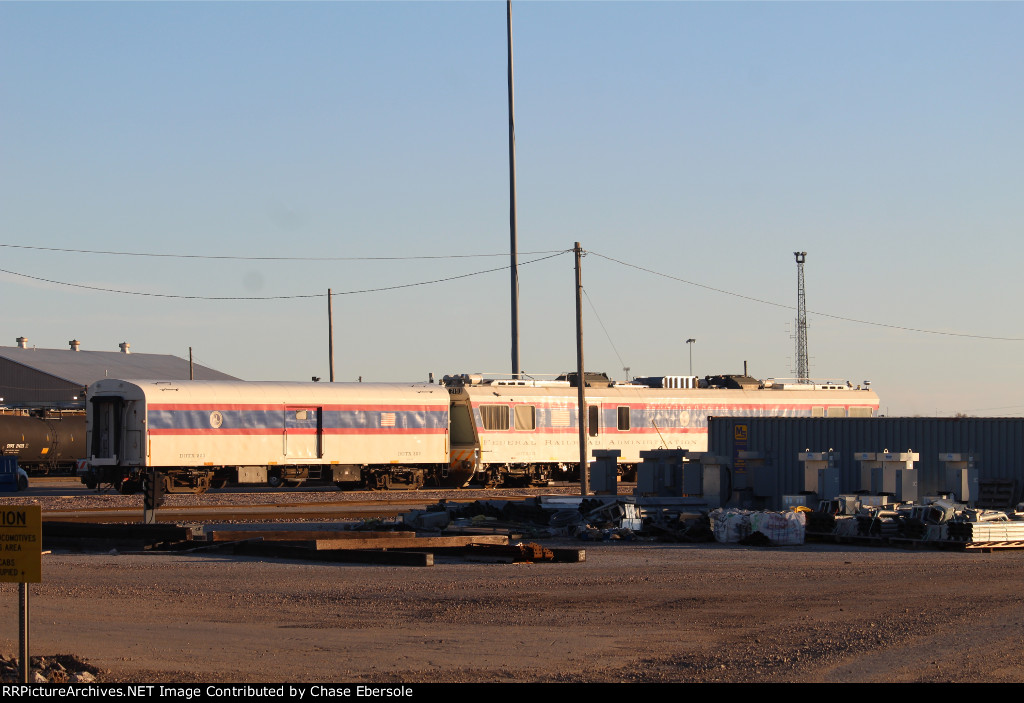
(594, 420)
(300, 415)
(818, 411)
(526, 417)
(623, 418)
(836, 412)
(860, 412)
(495, 417)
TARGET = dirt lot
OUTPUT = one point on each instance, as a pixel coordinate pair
(632, 612)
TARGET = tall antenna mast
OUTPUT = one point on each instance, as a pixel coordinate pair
(802, 372)
(514, 266)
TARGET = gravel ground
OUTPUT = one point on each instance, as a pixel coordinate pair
(633, 612)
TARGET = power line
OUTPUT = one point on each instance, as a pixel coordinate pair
(272, 297)
(601, 322)
(813, 312)
(266, 258)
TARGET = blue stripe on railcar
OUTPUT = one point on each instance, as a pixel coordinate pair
(275, 419)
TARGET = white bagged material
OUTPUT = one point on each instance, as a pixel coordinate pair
(733, 525)
(781, 528)
(730, 526)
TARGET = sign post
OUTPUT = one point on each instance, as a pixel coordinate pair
(21, 550)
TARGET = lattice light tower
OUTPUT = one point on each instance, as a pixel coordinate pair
(802, 372)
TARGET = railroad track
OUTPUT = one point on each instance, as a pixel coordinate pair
(63, 500)
(228, 512)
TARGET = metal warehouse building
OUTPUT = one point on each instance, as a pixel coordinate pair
(996, 444)
(56, 377)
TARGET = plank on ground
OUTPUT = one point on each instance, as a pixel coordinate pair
(514, 553)
(355, 556)
(302, 535)
(410, 542)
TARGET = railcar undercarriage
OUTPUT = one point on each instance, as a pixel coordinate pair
(494, 475)
(128, 480)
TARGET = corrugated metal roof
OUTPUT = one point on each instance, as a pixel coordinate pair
(85, 367)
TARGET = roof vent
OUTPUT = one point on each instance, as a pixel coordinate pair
(74, 344)
(22, 342)
(124, 347)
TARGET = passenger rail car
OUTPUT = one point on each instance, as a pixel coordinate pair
(205, 433)
(470, 429)
(527, 431)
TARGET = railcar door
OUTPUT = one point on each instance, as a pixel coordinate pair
(303, 432)
(132, 448)
(105, 426)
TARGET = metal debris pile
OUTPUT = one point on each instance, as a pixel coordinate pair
(598, 518)
(940, 523)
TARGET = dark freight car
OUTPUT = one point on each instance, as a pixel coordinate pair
(43, 444)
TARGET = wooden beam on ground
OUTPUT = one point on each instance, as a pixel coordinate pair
(522, 553)
(354, 556)
(410, 542)
(302, 535)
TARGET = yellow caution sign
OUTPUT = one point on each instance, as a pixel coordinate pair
(21, 544)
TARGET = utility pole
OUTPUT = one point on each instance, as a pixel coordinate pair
(803, 374)
(689, 343)
(330, 333)
(514, 264)
(581, 420)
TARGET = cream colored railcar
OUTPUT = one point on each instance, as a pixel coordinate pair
(527, 430)
(202, 433)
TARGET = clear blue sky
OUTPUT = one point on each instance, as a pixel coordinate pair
(703, 141)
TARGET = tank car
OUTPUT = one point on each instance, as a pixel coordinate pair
(200, 434)
(43, 444)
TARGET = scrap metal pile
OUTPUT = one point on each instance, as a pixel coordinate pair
(940, 523)
(612, 518)
(544, 516)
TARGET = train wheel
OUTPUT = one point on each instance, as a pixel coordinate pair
(274, 480)
(219, 483)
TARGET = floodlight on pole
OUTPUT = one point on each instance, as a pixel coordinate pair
(689, 343)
